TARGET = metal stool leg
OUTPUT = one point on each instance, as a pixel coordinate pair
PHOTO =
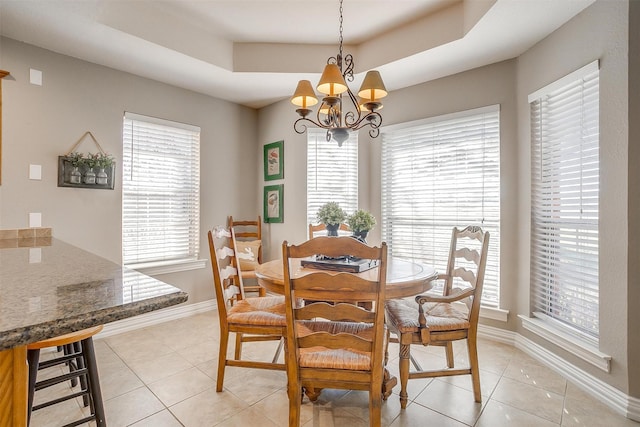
(94, 382)
(33, 358)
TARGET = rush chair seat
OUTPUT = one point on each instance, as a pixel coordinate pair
(251, 319)
(334, 344)
(437, 320)
(248, 239)
(317, 229)
(80, 357)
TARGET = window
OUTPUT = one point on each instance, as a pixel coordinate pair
(160, 192)
(440, 173)
(564, 201)
(332, 173)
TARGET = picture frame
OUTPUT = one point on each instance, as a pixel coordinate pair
(273, 203)
(274, 161)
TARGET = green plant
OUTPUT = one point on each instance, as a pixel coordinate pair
(76, 159)
(361, 220)
(331, 214)
(103, 160)
(91, 161)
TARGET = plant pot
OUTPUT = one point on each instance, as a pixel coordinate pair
(90, 177)
(101, 177)
(361, 235)
(75, 177)
(332, 229)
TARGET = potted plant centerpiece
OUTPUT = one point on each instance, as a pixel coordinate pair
(331, 215)
(360, 223)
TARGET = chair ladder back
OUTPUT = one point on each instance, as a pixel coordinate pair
(339, 288)
(226, 279)
(246, 231)
(473, 260)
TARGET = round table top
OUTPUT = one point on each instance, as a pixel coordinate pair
(404, 278)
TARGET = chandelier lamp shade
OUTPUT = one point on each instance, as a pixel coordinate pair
(340, 111)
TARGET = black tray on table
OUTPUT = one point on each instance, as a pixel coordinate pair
(346, 264)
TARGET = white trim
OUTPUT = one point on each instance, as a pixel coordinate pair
(494, 313)
(611, 396)
(155, 317)
(562, 82)
(497, 334)
(151, 269)
(577, 347)
(163, 122)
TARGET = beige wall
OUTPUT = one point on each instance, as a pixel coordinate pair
(599, 32)
(633, 276)
(42, 122)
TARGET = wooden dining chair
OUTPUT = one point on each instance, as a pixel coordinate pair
(442, 319)
(251, 319)
(320, 229)
(248, 247)
(334, 344)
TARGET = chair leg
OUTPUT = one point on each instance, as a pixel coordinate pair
(404, 374)
(33, 357)
(475, 369)
(222, 358)
(238, 349)
(94, 382)
(375, 404)
(386, 348)
(449, 351)
(295, 402)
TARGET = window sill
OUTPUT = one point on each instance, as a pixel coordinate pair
(573, 345)
(155, 268)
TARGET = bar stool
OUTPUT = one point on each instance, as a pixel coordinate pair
(79, 355)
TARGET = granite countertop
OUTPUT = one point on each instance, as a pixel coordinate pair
(50, 288)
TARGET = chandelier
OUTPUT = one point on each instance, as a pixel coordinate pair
(340, 111)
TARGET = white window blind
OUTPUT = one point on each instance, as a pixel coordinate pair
(437, 174)
(564, 201)
(332, 173)
(160, 191)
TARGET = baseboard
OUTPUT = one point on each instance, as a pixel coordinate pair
(620, 402)
(615, 399)
(155, 317)
(497, 334)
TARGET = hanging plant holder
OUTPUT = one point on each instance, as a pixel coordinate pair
(86, 171)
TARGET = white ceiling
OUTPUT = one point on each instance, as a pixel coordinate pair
(253, 52)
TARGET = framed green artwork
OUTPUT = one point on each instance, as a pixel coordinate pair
(274, 161)
(273, 203)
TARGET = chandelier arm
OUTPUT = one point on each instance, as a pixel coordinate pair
(372, 119)
(350, 117)
(301, 127)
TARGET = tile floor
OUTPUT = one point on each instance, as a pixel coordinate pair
(164, 376)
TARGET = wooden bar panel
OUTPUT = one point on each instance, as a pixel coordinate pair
(13, 387)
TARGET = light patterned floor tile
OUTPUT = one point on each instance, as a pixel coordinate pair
(517, 390)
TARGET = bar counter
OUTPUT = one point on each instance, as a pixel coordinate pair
(50, 288)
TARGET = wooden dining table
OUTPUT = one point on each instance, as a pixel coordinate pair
(404, 279)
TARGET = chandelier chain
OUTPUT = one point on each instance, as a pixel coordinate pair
(341, 39)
